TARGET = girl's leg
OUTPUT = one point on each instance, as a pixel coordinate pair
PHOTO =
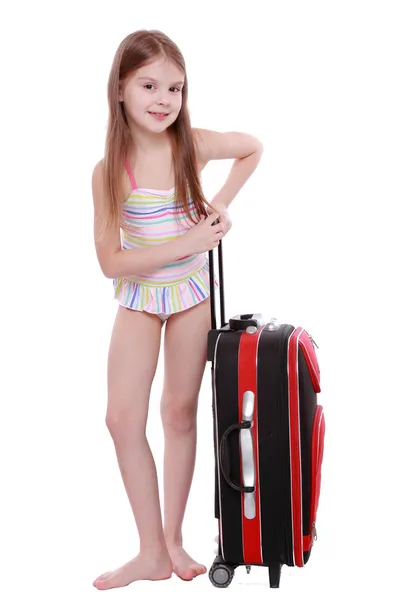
(185, 348)
(132, 362)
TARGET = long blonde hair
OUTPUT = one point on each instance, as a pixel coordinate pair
(135, 51)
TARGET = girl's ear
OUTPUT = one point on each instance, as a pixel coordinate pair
(120, 98)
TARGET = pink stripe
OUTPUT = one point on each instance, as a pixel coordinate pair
(171, 275)
(131, 177)
(194, 290)
(146, 217)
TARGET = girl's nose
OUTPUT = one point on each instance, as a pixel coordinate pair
(163, 98)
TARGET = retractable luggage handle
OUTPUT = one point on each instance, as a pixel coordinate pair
(221, 287)
(238, 322)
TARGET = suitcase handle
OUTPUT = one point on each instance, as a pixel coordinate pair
(221, 286)
(242, 322)
(225, 457)
(239, 322)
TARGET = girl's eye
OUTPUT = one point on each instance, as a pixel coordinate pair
(148, 86)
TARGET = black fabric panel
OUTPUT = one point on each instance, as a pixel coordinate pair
(308, 405)
(273, 440)
(216, 493)
(226, 375)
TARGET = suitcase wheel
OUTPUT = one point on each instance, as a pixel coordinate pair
(220, 573)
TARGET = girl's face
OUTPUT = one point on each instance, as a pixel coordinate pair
(153, 95)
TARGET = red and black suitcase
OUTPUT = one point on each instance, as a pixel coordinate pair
(268, 442)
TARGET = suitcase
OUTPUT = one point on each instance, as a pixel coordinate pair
(268, 441)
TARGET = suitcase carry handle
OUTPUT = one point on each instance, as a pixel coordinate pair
(242, 322)
(225, 457)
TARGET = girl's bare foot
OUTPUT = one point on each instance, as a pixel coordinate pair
(184, 566)
(143, 566)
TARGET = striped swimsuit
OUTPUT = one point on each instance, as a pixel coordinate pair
(150, 217)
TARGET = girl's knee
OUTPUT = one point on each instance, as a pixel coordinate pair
(179, 413)
(123, 423)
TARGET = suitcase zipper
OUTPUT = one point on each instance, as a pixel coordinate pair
(317, 451)
(314, 533)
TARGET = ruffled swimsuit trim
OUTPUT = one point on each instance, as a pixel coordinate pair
(167, 299)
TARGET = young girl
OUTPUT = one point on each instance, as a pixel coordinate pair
(148, 187)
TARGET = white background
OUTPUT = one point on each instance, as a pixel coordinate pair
(314, 243)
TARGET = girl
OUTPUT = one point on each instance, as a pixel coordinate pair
(148, 187)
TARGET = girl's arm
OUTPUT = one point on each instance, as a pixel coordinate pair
(243, 147)
(113, 260)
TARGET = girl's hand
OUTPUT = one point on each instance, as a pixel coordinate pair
(204, 235)
(225, 220)
(224, 217)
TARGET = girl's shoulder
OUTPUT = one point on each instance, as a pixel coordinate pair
(98, 175)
